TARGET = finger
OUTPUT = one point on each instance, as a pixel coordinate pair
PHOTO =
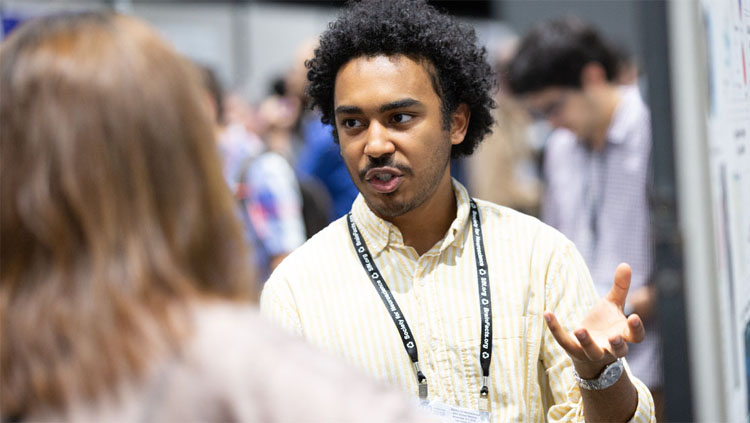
(592, 350)
(567, 342)
(635, 332)
(618, 346)
(621, 285)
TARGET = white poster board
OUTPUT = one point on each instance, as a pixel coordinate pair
(727, 37)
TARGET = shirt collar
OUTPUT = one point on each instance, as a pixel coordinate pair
(625, 113)
(379, 234)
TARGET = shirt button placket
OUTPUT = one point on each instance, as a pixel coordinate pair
(426, 356)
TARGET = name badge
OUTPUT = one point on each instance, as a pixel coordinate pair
(455, 414)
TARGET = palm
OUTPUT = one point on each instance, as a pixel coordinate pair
(605, 331)
(603, 321)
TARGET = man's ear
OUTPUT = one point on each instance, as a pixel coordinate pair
(593, 74)
(459, 123)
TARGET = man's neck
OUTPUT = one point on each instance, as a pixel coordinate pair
(607, 100)
(424, 226)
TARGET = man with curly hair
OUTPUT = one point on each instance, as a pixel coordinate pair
(422, 287)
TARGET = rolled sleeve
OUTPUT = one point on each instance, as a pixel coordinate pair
(645, 412)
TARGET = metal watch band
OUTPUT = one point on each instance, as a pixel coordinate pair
(610, 375)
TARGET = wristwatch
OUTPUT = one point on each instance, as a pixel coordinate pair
(609, 376)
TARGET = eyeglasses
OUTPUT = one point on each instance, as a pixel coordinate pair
(552, 108)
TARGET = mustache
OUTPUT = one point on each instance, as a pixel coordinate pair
(384, 161)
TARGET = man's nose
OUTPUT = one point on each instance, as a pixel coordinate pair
(378, 141)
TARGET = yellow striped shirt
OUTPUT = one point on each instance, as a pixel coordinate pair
(322, 292)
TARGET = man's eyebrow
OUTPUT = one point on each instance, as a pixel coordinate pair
(350, 110)
(398, 104)
(406, 102)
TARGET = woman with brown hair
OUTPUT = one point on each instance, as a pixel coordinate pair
(125, 294)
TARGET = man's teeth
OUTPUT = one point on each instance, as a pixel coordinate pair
(384, 177)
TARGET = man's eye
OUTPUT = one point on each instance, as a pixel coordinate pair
(402, 118)
(351, 123)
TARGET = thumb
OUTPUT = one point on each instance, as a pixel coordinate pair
(621, 285)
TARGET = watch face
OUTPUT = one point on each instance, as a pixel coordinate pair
(612, 374)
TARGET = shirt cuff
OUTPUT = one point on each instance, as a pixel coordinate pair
(645, 413)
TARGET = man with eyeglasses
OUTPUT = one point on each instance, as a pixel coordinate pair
(596, 162)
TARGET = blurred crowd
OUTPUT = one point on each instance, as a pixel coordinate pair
(280, 162)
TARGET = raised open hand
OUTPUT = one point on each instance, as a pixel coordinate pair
(604, 333)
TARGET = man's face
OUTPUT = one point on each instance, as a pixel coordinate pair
(390, 128)
(567, 108)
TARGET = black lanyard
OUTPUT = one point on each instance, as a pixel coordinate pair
(485, 304)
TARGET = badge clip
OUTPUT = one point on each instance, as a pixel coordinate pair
(484, 397)
(421, 381)
(423, 391)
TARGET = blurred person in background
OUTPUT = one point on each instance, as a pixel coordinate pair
(319, 156)
(596, 163)
(237, 111)
(316, 201)
(317, 204)
(124, 291)
(263, 183)
(504, 168)
(279, 115)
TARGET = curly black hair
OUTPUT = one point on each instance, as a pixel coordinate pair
(554, 52)
(417, 30)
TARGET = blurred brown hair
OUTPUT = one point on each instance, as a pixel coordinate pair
(114, 215)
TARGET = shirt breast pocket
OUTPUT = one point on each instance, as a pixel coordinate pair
(507, 362)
